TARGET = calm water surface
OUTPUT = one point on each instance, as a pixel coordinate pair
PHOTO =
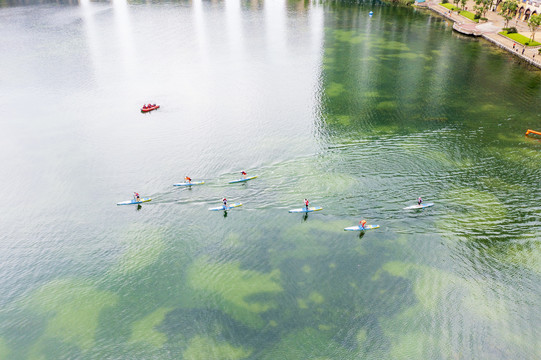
(358, 114)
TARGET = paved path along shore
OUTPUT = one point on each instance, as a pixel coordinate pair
(489, 30)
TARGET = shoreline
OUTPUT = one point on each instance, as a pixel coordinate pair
(487, 30)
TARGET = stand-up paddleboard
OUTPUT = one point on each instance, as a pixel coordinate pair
(359, 228)
(228, 207)
(242, 180)
(305, 210)
(133, 201)
(189, 183)
(422, 206)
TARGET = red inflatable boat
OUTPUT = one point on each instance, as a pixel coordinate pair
(150, 108)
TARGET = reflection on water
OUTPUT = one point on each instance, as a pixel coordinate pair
(10, 3)
(361, 114)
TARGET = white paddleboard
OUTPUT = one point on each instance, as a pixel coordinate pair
(133, 201)
(359, 228)
(228, 207)
(305, 210)
(189, 183)
(422, 206)
(242, 180)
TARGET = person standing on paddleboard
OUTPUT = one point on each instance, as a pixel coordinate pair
(243, 174)
(188, 179)
(419, 201)
(306, 202)
(362, 224)
(136, 196)
(224, 200)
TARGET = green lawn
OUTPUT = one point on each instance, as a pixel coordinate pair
(464, 13)
(521, 39)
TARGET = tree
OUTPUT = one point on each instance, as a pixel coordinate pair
(508, 9)
(463, 3)
(506, 17)
(481, 7)
(533, 24)
(456, 2)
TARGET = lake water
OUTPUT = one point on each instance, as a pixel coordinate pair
(359, 114)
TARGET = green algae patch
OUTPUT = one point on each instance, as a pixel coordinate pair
(524, 342)
(144, 330)
(414, 345)
(143, 247)
(316, 297)
(323, 327)
(362, 336)
(301, 303)
(510, 138)
(307, 343)
(530, 158)
(360, 249)
(4, 349)
(73, 308)
(432, 285)
(233, 240)
(405, 56)
(303, 248)
(311, 180)
(394, 327)
(495, 183)
(203, 348)
(484, 304)
(391, 45)
(305, 231)
(343, 120)
(446, 160)
(348, 36)
(335, 89)
(489, 107)
(234, 287)
(395, 268)
(371, 94)
(428, 283)
(526, 255)
(386, 106)
(329, 51)
(472, 212)
(387, 129)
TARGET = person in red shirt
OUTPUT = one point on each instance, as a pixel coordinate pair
(362, 223)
